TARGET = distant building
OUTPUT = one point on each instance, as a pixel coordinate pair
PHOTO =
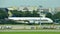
(41, 11)
(30, 8)
(52, 11)
(57, 9)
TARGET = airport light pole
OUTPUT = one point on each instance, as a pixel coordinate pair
(39, 9)
(40, 16)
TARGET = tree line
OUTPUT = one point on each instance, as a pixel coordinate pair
(16, 13)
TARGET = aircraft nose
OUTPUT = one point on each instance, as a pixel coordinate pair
(51, 20)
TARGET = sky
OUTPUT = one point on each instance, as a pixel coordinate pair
(44, 3)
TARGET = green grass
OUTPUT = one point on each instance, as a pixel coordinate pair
(29, 32)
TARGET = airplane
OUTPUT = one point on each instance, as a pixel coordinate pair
(32, 19)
